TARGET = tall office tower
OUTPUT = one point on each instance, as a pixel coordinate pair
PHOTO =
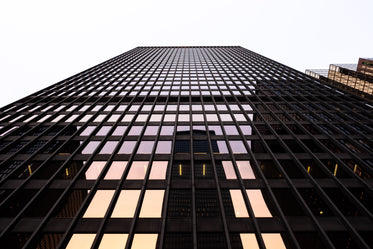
(355, 78)
(187, 147)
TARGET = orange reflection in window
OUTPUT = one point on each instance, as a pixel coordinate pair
(113, 241)
(273, 241)
(152, 204)
(158, 171)
(94, 170)
(137, 170)
(142, 241)
(99, 204)
(81, 241)
(116, 170)
(248, 241)
(126, 204)
(239, 206)
(258, 203)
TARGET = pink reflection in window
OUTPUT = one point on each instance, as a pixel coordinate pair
(245, 170)
(215, 130)
(108, 147)
(127, 147)
(145, 147)
(87, 131)
(91, 147)
(99, 204)
(226, 117)
(94, 170)
(128, 118)
(103, 131)
(141, 241)
(135, 131)
(155, 118)
(158, 171)
(183, 117)
(222, 147)
(167, 131)
(113, 118)
(151, 130)
(99, 118)
(237, 147)
(113, 241)
(246, 129)
(163, 147)
(137, 170)
(126, 204)
(152, 204)
(273, 241)
(239, 205)
(229, 170)
(212, 117)
(258, 203)
(240, 117)
(116, 170)
(197, 118)
(248, 241)
(169, 118)
(119, 131)
(81, 241)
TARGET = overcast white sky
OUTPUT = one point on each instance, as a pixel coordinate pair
(43, 42)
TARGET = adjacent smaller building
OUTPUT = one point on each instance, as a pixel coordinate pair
(356, 78)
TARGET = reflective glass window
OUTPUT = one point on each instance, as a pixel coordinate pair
(145, 147)
(158, 170)
(222, 107)
(240, 117)
(137, 170)
(167, 130)
(99, 204)
(156, 118)
(159, 107)
(226, 117)
(183, 117)
(258, 203)
(81, 241)
(113, 118)
(108, 147)
(197, 118)
(146, 108)
(113, 241)
(163, 147)
(231, 130)
(94, 170)
(197, 107)
(222, 147)
(169, 118)
(229, 170)
(126, 204)
(142, 117)
(99, 118)
(245, 170)
(237, 147)
(116, 170)
(121, 108)
(91, 147)
(103, 131)
(239, 206)
(109, 108)
(246, 129)
(171, 107)
(119, 130)
(87, 131)
(83, 119)
(209, 108)
(135, 130)
(184, 108)
(134, 108)
(152, 204)
(151, 130)
(127, 147)
(141, 241)
(128, 118)
(215, 130)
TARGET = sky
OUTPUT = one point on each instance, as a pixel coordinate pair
(45, 41)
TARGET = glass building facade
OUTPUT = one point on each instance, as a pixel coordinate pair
(187, 147)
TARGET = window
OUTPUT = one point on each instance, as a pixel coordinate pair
(108, 147)
(151, 130)
(229, 170)
(271, 241)
(94, 170)
(128, 118)
(99, 204)
(81, 241)
(145, 147)
(163, 147)
(237, 147)
(137, 170)
(103, 131)
(167, 130)
(91, 147)
(135, 131)
(126, 204)
(127, 147)
(119, 130)
(156, 118)
(113, 241)
(116, 170)
(197, 118)
(231, 130)
(245, 170)
(113, 118)
(87, 131)
(141, 241)
(258, 203)
(183, 117)
(158, 170)
(239, 206)
(152, 204)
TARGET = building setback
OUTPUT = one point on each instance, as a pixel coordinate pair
(187, 147)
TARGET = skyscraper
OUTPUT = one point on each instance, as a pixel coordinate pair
(187, 147)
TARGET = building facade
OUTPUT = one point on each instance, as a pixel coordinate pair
(187, 147)
(355, 78)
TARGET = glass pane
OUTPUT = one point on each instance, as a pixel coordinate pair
(81, 241)
(145, 147)
(158, 171)
(245, 170)
(183, 117)
(109, 108)
(113, 118)
(134, 108)
(215, 130)
(248, 241)
(246, 129)
(142, 117)
(87, 131)
(135, 131)
(238, 203)
(221, 107)
(99, 204)
(141, 241)
(163, 147)
(197, 107)
(229, 170)
(222, 146)
(127, 147)
(116, 170)
(240, 117)
(169, 118)
(113, 241)
(137, 170)
(226, 117)
(167, 131)
(128, 118)
(159, 107)
(171, 107)
(152, 204)
(108, 147)
(91, 147)
(99, 118)
(184, 108)
(231, 130)
(212, 117)
(209, 108)
(94, 170)
(156, 118)
(197, 118)
(151, 130)
(126, 204)
(122, 108)
(237, 147)
(258, 203)
(273, 241)
(119, 131)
